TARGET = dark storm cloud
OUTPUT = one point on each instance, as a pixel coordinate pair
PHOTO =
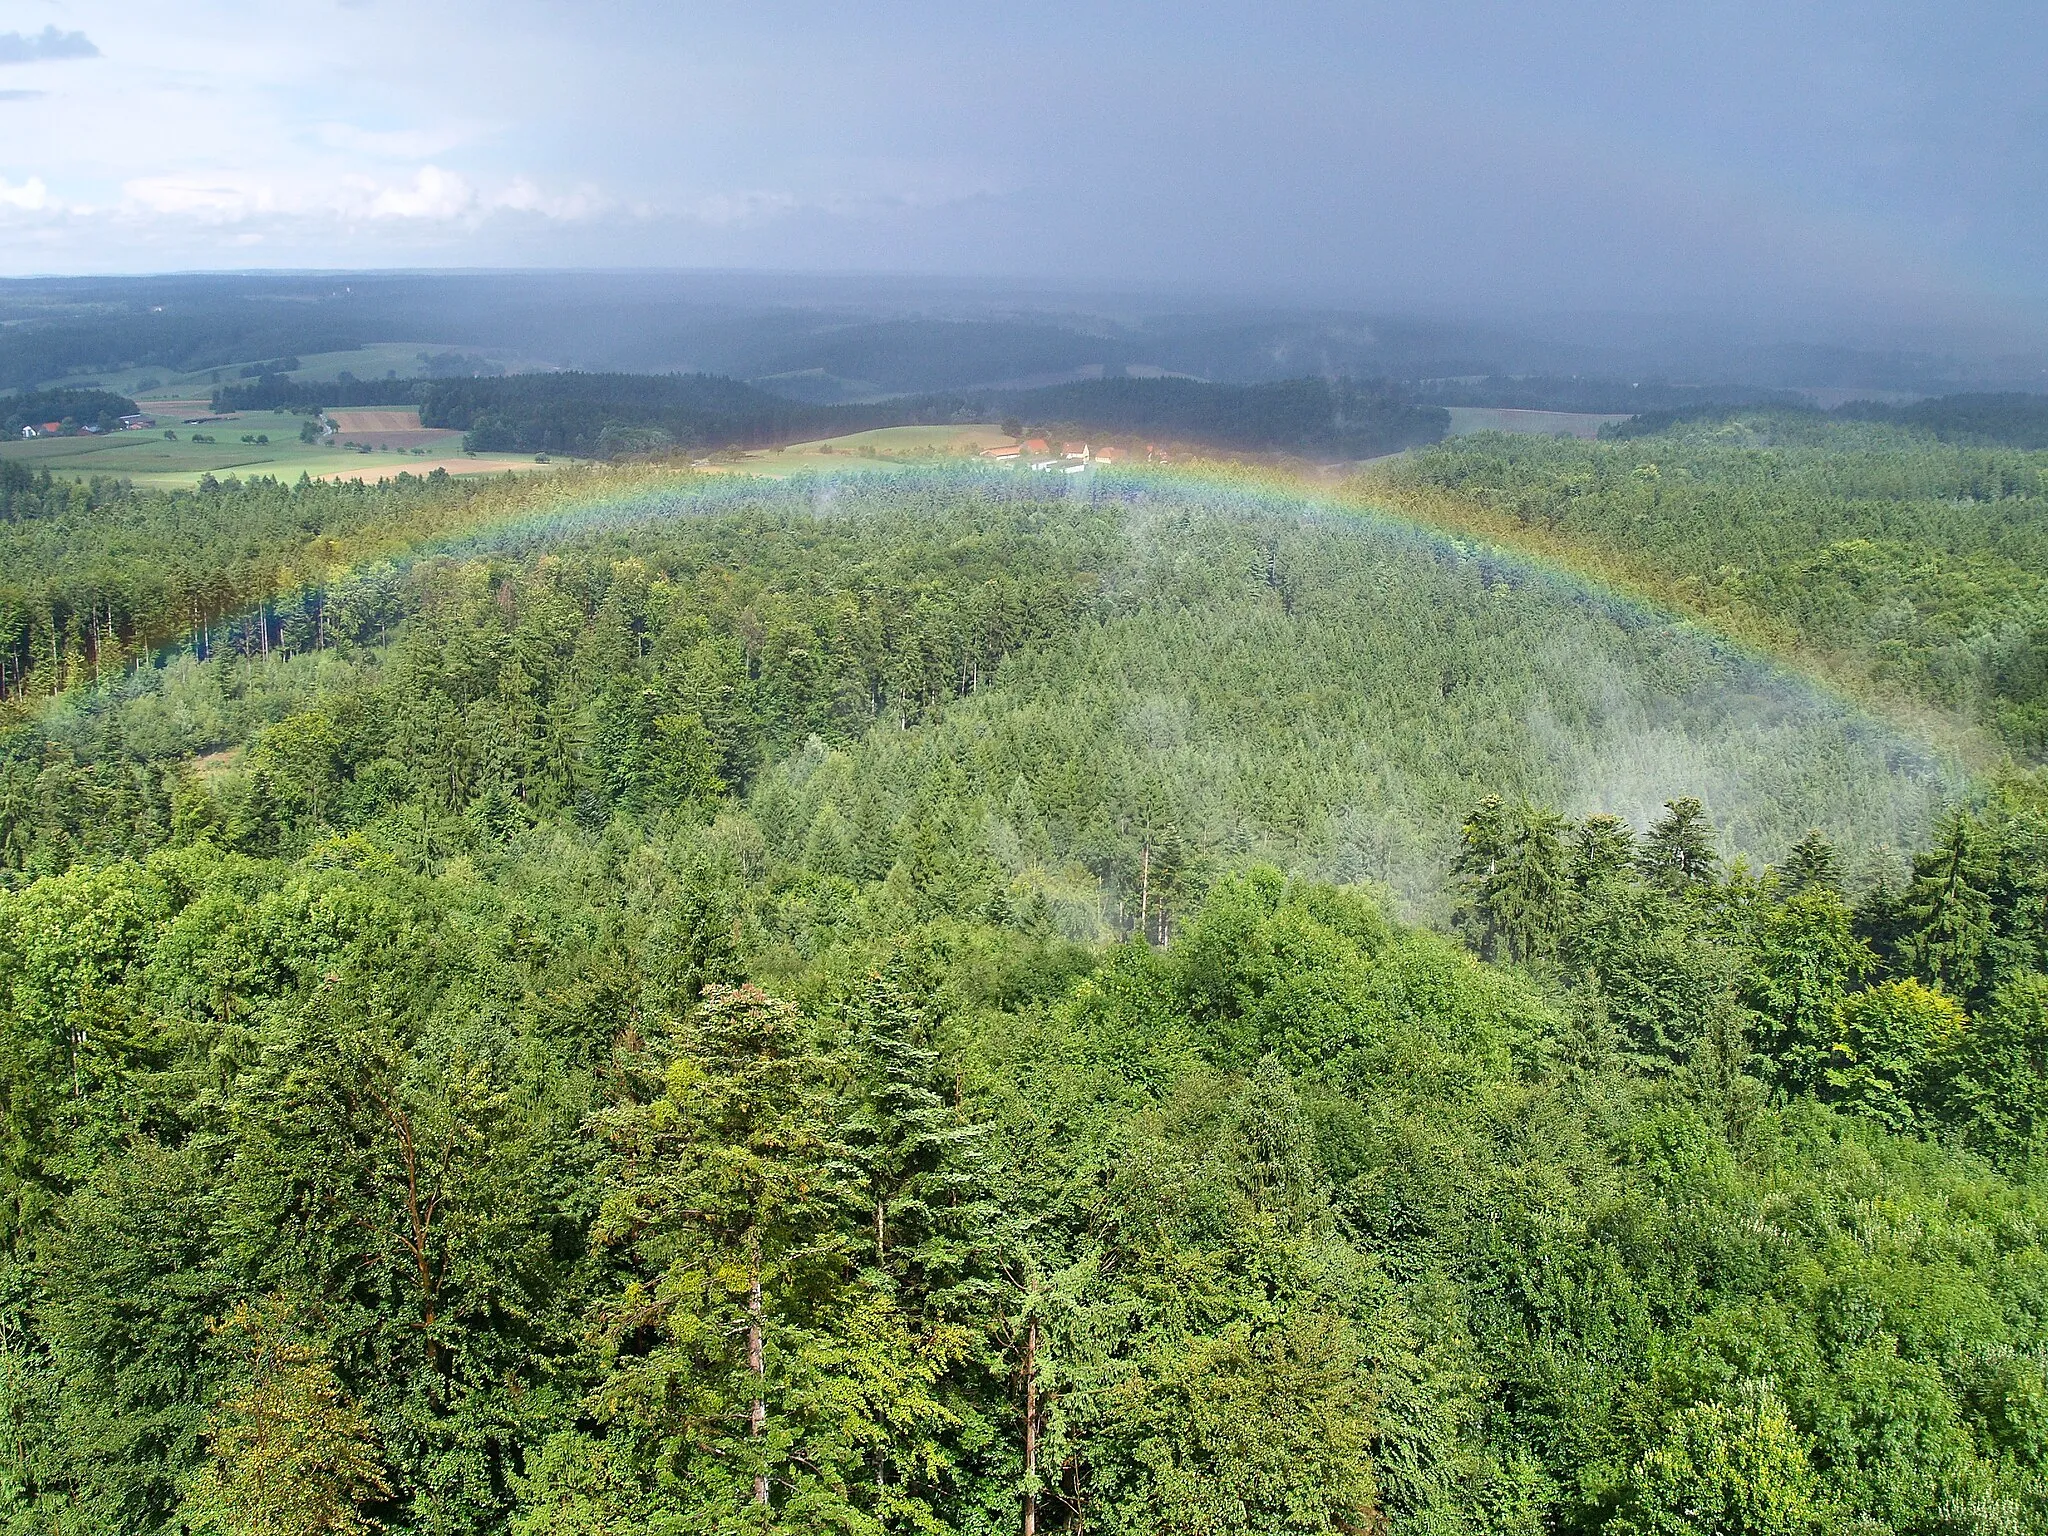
(34, 47)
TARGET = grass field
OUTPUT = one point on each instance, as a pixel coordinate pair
(1485, 418)
(151, 459)
(877, 449)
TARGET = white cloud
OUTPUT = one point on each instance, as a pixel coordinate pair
(215, 200)
(432, 194)
(523, 195)
(724, 209)
(30, 195)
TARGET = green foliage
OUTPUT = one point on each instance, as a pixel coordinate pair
(1738, 1468)
(290, 1455)
(747, 1023)
(74, 407)
(609, 413)
(1918, 562)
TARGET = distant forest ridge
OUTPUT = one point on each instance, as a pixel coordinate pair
(831, 341)
(2009, 420)
(610, 415)
(606, 415)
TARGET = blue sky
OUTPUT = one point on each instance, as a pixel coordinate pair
(1717, 156)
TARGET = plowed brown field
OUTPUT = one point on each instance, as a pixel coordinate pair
(387, 427)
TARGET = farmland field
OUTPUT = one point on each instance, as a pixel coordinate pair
(151, 459)
(392, 427)
(880, 447)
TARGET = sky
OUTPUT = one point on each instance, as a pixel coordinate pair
(1876, 158)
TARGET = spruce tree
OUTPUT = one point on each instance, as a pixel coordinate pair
(1603, 849)
(1812, 862)
(1677, 853)
(1948, 909)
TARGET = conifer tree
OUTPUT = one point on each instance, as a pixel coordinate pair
(1948, 909)
(1811, 862)
(1482, 850)
(1603, 849)
(755, 1371)
(920, 1168)
(1677, 853)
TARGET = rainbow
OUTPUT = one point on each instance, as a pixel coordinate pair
(588, 501)
(513, 516)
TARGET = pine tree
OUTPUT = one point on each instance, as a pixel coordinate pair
(759, 1369)
(937, 1232)
(1482, 850)
(919, 1165)
(1511, 871)
(1529, 887)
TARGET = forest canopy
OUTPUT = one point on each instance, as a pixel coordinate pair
(1916, 565)
(933, 1002)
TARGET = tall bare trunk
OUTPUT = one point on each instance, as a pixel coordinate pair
(1031, 1428)
(1145, 897)
(757, 1417)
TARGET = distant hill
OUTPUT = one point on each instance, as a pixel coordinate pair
(1313, 416)
(607, 414)
(2001, 421)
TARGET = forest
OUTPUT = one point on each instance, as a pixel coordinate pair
(950, 1002)
(1343, 418)
(274, 391)
(1911, 566)
(614, 414)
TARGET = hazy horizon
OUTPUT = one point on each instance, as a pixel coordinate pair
(1821, 172)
